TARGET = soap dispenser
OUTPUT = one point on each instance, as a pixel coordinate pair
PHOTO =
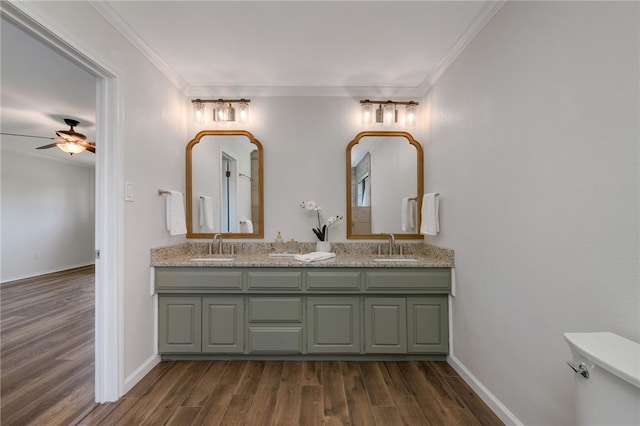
(278, 244)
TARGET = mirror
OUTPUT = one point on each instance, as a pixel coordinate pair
(384, 186)
(224, 185)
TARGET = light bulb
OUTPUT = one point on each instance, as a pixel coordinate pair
(411, 114)
(198, 113)
(243, 112)
(367, 113)
(388, 113)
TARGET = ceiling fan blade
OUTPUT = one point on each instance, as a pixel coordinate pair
(88, 145)
(51, 145)
(27, 136)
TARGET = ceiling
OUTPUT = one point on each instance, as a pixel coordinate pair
(271, 47)
(39, 89)
(243, 48)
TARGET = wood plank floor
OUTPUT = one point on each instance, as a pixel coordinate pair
(47, 348)
(297, 393)
(47, 377)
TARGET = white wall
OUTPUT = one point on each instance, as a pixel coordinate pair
(47, 215)
(532, 141)
(153, 116)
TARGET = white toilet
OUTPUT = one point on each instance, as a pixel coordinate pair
(607, 378)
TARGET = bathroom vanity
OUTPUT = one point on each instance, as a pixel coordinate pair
(355, 306)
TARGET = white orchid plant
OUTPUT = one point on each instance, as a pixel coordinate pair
(322, 231)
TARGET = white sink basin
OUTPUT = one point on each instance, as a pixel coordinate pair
(211, 259)
(396, 259)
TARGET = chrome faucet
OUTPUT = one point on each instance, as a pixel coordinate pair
(219, 237)
(392, 242)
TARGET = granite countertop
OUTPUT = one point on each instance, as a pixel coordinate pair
(262, 255)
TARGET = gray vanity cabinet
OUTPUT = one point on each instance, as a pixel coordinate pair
(303, 311)
(190, 324)
(385, 325)
(428, 324)
(275, 325)
(223, 324)
(180, 324)
(333, 325)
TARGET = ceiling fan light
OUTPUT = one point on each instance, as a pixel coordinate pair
(70, 147)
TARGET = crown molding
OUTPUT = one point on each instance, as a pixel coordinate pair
(311, 91)
(474, 29)
(130, 35)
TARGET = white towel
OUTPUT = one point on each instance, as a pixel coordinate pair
(246, 226)
(430, 222)
(408, 214)
(206, 213)
(314, 256)
(176, 219)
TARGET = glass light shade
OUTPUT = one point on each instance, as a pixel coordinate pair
(229, 113)
(411, 114)
(243, 112)
(388, 114)
(367, 113)
(70, 147)
(218, 112)
(198, 113)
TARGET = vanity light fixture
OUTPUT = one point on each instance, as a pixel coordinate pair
(367, 112)
(410, 115)
(223, 110)
(387, 113)
(218, 111)
(198, 112)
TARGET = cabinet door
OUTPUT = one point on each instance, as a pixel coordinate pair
(385, 325)
(223, 325)
(333, 325)
(179, 324)
(428, 324)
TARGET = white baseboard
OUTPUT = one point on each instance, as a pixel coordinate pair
(496, 406)
(48, 271)
(140, 372)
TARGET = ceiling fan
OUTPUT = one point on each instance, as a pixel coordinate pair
(69, 141)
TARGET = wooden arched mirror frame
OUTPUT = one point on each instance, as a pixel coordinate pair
(383, 168)
(227, 167)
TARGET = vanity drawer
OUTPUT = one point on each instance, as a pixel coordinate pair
(198, 278)
(404, 279)
(275, 339)
(275, 309)
(274, 280)
(334, 280)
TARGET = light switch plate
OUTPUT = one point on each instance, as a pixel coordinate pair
(128, 192)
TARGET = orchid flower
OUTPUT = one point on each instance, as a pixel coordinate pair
(322, 231)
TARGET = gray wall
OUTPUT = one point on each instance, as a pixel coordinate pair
(47, 215)
(532, 141)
